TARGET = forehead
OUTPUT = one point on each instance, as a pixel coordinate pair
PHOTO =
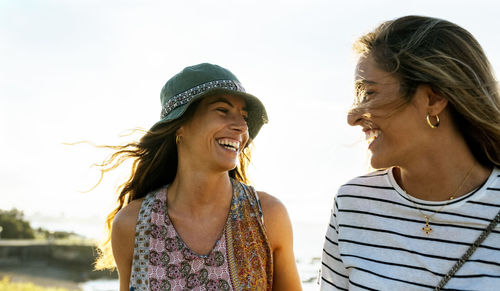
(232, 100)
(368, 73)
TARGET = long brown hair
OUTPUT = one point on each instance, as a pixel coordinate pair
(424, 50)
(154, 165)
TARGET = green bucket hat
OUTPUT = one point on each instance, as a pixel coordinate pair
(197, 81)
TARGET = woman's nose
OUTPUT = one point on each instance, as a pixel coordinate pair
(240, 123)
(354, 117)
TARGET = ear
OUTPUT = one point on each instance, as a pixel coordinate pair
(180, 131)
(434, 102)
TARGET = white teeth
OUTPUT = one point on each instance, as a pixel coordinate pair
(371, 135)
(229, 144)
(230, 148)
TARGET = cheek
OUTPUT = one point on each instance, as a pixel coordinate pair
(405, 133)
(245, 140)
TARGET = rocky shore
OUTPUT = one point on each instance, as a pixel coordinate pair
(49, 264)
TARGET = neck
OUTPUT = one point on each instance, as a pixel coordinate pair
(197, 193)
(442, 179)
(442, 169)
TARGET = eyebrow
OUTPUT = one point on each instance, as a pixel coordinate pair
(224, 100)
(364, 82)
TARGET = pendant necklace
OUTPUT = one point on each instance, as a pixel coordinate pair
(427, 228)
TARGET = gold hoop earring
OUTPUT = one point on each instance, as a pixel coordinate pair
(177, 139)
(428, 118)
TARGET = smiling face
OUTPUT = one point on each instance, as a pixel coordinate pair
(216, 135)
(394, 128)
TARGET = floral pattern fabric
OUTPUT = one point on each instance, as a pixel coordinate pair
(240, 259)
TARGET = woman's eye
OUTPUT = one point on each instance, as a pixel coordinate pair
(366, 96)
(223, 110)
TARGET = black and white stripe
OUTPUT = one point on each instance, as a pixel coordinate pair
(374, 240)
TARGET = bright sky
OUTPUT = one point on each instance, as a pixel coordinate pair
(90, 69)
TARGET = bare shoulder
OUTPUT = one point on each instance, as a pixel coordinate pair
(122, 240)
(279, 232)
(271, 206)
(129, 213)
(276, 220)
(126, 218)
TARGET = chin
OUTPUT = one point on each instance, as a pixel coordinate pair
(226, 167)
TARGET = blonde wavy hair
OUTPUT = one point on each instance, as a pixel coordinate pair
(424, 50)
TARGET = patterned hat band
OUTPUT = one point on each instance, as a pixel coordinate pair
(186, 96)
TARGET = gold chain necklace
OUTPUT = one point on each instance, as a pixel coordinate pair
(427, 228)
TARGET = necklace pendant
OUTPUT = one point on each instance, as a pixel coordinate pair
(427, 229)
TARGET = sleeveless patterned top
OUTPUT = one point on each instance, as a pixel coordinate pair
(240, 260)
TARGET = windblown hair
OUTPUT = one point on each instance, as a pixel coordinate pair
(423, 50)
(154, 165)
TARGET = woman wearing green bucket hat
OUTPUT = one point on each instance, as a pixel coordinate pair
(186, 218)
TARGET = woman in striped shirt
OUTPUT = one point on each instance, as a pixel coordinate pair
(429, 105)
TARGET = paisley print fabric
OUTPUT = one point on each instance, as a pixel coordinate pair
(241, 258)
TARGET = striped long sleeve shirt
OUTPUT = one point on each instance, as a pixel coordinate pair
(375, 239)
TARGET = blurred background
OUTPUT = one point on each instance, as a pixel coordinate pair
(88, 70)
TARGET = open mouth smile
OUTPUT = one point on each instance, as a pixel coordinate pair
(371, 135)
(229, 144)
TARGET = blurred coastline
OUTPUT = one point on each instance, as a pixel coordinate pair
(50, 263)
(68, 263)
